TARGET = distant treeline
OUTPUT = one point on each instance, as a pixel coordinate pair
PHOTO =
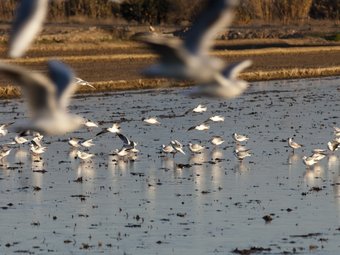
(178, 11)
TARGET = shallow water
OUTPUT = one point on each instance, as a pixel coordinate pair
(150, 206)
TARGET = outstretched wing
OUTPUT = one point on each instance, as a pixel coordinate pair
(234, 69)
(62, 76)
(218, 14)
(124, 139)
(38, 89)
(28, 22)
(166, 48)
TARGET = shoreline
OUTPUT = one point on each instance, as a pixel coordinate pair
(11, 92)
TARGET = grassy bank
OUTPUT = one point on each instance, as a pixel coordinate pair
(9, 91)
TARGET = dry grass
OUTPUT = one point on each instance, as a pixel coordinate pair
(9, 91)
(231, 53)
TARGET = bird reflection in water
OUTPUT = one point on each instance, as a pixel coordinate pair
(314, 176)
(85, 169)
(333, 162)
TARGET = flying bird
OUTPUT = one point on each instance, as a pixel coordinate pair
(189, 59)
(48, 98)
(30, 16)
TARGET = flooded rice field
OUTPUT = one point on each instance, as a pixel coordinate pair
(207, 203)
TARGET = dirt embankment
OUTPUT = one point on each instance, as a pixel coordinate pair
(115, 65)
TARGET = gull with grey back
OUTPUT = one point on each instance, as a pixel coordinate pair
(189, 59)
(48, 98)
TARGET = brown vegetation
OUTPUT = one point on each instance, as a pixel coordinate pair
(178, 11)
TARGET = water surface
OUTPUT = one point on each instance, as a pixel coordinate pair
(215, 204)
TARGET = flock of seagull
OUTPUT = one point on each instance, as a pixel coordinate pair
(48, 95)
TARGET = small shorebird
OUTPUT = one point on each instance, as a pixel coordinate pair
(90, 124)
(293, 145)
(87, 143)
(83, 155)
(3, 129)
(151, 121)
(196, 148)
(242, 154)
(168, 148)
(215, 118)
(333, 145)
(128, 144)
(216, 140)
(177, 146)
(201, 127)
(36, 150)
(4, 152)
(309, 161)
(317, 156)
(240, 138)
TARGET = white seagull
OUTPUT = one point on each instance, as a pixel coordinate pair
(114, 129)
(30, 16)
(198, 109)
(201, 127)
(293, 145)
(216, 140)
(168, 148)
(216, 118)
(190, 59)
(196, 148)
(240, 138)
(177, 146)
(151, 121)
(309, 161)
(4, 130)
(48, 98)
(81, 82)
(83, 155)
(4, 152)
(242, 154)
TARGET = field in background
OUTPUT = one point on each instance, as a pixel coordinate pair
(109, 64)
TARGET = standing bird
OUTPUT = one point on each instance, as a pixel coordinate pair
(30, 16)
(4, 152)
(177, 146)
(84, 156)
(242, 154)
(240, 138)
(190, 58)
(309, 161)
(293, 145)
(48, 98)
(216, 140)
(196, 148)
(3, 129)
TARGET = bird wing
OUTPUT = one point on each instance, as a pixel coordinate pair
(234, 69)
(166, 48)
(38, 89)
(104, 131)
(217, 14)
(28, 22)
(124, 139)
(62, 77)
